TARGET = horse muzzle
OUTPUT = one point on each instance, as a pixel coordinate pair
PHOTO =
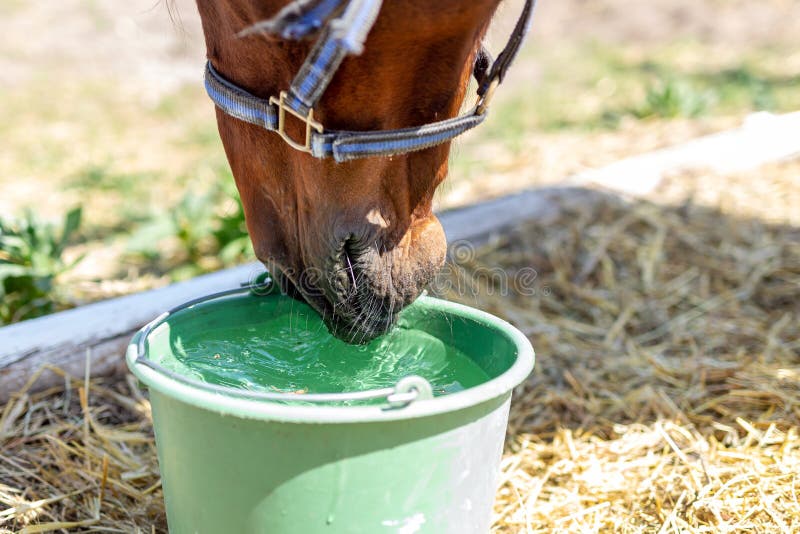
(365, 283)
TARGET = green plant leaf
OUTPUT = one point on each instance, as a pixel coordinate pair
(8, 270)
(72, 221)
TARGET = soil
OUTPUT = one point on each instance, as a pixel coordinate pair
(159, 42)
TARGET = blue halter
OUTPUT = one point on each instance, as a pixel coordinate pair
(342, 36)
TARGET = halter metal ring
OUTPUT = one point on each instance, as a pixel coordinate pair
(308, 120)
(485, 100)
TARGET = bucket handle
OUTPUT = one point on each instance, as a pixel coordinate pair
(408, 389)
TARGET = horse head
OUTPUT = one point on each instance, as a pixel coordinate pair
(356, 239)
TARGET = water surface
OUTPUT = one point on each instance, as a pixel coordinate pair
(288, 349)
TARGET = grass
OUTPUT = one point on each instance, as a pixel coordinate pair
(582, 93)
(203, 232)
(31, 261)
(593, 86)
(134, 160)
(670, 99)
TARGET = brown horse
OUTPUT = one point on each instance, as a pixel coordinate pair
(357, 240)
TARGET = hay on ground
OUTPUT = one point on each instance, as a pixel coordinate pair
(666, 396)
(79, 458)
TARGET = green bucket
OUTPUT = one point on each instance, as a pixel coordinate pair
(405, 458)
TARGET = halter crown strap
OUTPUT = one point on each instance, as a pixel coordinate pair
(341, 36)
(506, 57)
(297, 20)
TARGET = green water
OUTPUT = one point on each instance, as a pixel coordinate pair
(288, 349)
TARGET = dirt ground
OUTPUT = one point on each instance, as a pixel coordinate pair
(144, 50)
(158, 43)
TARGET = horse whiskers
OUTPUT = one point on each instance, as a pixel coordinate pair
(391, 307)
(371, 309)
(370, 306)
(352, 274)
(355, 294)
(358, 312)
(354, 324)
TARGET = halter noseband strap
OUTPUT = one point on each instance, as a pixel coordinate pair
(342, 36)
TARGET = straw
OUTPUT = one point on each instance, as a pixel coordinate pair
(666, 396)
(83, 464)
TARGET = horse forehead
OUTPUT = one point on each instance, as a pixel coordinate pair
(402, 17)
(430, 18)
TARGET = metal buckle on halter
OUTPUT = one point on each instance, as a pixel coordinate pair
(307, 119)
(483, 101)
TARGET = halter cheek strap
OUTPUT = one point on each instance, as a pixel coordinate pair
(342, 36)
